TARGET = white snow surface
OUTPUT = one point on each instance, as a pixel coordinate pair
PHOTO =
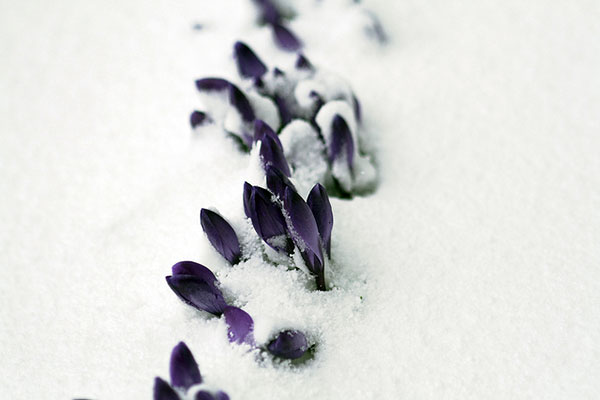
(477, 258)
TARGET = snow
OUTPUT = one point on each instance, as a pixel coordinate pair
(471, 271)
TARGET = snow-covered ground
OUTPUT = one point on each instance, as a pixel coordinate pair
(477, 258)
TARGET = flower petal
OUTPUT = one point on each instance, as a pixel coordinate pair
(284, 111)
(212, 84)
(193, 268)
(198, 118)
(262, 129)
(302, 225)
(289, 345)
(204, 395)
(341, 139)
(277, 181)
(269, 13)
(221, 235)
(303, 63)
(318, 202)
(164, 391)
(271, 153)
(285, 38)
(240, 102)
(198, 293)
(183, 368)
(247, 194)
(268, 221)
(221, 396)
(240, 326)
(248, 63)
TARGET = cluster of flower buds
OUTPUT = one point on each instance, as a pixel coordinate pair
(185, 374)
(307, 110)
(198, 287)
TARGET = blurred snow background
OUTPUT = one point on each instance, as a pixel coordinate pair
(480, 249)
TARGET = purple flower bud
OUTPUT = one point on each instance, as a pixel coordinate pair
(198, 292)
(198, 118)
(221, 396)
(268, 221)
(247, 194)
(221, 235)
(240, 102)
(164, 391)
(289, 345)
(284, 111)
(268, 11)
(277, 181)
(262, 129)
(341, 139)
(318, 202)
(204, 395)
(271, 153)
(240, 326)
(285, 38)
(212, 84)
(183, 368)
(248, 63)
(193, 268)
(302, 224)
(303, 63)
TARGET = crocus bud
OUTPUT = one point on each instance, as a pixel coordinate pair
(221, 235)
(195, 285)
(285, 38)
(164, 391)
(318, 202)
(240, 326)
(183, 368)
(268, 221)
(271, 153)
(341, 141)
(248, 63)
(289, 345)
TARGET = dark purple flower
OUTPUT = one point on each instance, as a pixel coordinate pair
(318, 202)
(247, 194)
(271, 153)
(221, 235)
(195, 285)
(305, 234)
(341, 139)
(240, 102)
(268, 221)
(164, 391)
(212, 84)
(240, 326)
(277, 181)
(198, 118)
(183, 368)
(284, 111)
(248, 63)
(285, 38)
(262, 129)
(268, 11)
(289, 345)
(303, 63)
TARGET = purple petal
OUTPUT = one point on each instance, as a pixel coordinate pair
(318, 202)
(341, 138)
(277, 181)
(204, 395)
(221, 396)
(249, 65)
(183, 368)
(303, 63)
(240, 326)
(271, 153)
(221, 235)
(285, 38)
(284, 111)
(164, 391)
(262, 129)
(193, 268)
(198, 118)
(247, 194)
(269, 13)
(198, 293)
(303, 225)
(268, 221)
(240, 102)
(289, 345)
(212, 84)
